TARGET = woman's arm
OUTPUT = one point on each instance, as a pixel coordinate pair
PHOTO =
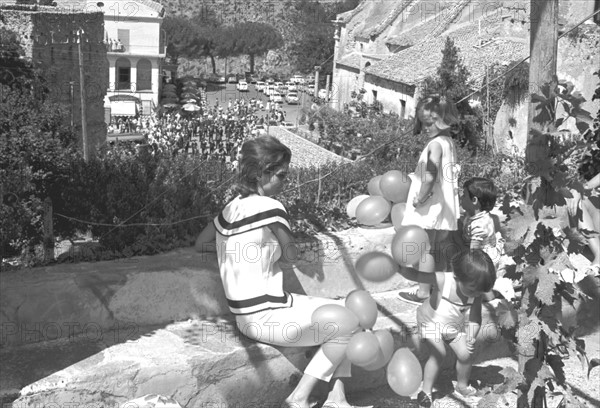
(289, 251)
(206, 240)
(418, 276)
(434, 159)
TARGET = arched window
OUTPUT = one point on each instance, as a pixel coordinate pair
(123, 74)
(144, 75)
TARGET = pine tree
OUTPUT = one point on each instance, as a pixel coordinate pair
(452, 80)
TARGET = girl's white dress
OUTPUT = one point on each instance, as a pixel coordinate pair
(442, 210)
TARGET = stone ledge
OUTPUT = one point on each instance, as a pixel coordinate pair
(197, 362)
(65, 300)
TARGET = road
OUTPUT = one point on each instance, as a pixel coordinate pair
(225, 92)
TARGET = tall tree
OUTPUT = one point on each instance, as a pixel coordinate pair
(250, 38)
(194, 38)
(452, 80)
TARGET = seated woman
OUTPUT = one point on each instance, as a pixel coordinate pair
(251, 236)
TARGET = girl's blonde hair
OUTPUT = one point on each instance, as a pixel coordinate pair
(442, 106)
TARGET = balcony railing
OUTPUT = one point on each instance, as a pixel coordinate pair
(114, 46)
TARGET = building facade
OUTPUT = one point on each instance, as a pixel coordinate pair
(387, 48)
(135, 49)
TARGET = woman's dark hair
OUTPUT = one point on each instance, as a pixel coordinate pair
(474, 266)
(261, 155)
(441, 105)
(484, 190)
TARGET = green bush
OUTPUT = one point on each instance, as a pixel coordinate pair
(143, 204)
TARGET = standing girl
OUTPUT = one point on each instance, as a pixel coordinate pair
(433, 202)
(251, 237)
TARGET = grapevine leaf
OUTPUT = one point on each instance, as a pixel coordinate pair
(557, 365)
(489, 400)
(512, 378)
(529, 330)
(582, 127)
(507, 315)
(594, 362)
(577, 242)
(546, 285)
(538, 382)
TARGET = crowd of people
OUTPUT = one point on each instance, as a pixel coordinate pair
(127, 124)
(214, 132)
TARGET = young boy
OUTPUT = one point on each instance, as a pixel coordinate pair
(481, 229)
(452, 315)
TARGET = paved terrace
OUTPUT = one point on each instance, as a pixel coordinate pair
(304, 152)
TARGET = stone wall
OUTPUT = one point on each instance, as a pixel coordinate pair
(49, 39)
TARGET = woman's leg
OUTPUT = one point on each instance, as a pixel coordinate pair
(293, 327)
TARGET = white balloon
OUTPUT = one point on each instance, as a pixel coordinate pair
(353, 204)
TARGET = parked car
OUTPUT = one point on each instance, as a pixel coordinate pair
(291, 86)
(242, 86)
(260, 86)
(232, 79)
(216, 78)
(276, 97)
(292, 98)
(297, 79)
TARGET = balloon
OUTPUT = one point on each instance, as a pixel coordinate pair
(426, 264)
(363, 306)
(373, 186)
(362, 349)
(376, 266)
(373, 210)
(404, 372)
(353, 204)
(335, 351)
(409, 244)
(333, 321)
(386, 349)
(394, 186)
(397, 214)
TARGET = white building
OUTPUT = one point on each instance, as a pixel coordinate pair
(136, 49)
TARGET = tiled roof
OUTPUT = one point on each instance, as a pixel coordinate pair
(414, 64)
(405, 35)
(351, 60)
(349, 15)
(391, 17)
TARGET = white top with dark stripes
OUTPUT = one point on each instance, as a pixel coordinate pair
(248, 254)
